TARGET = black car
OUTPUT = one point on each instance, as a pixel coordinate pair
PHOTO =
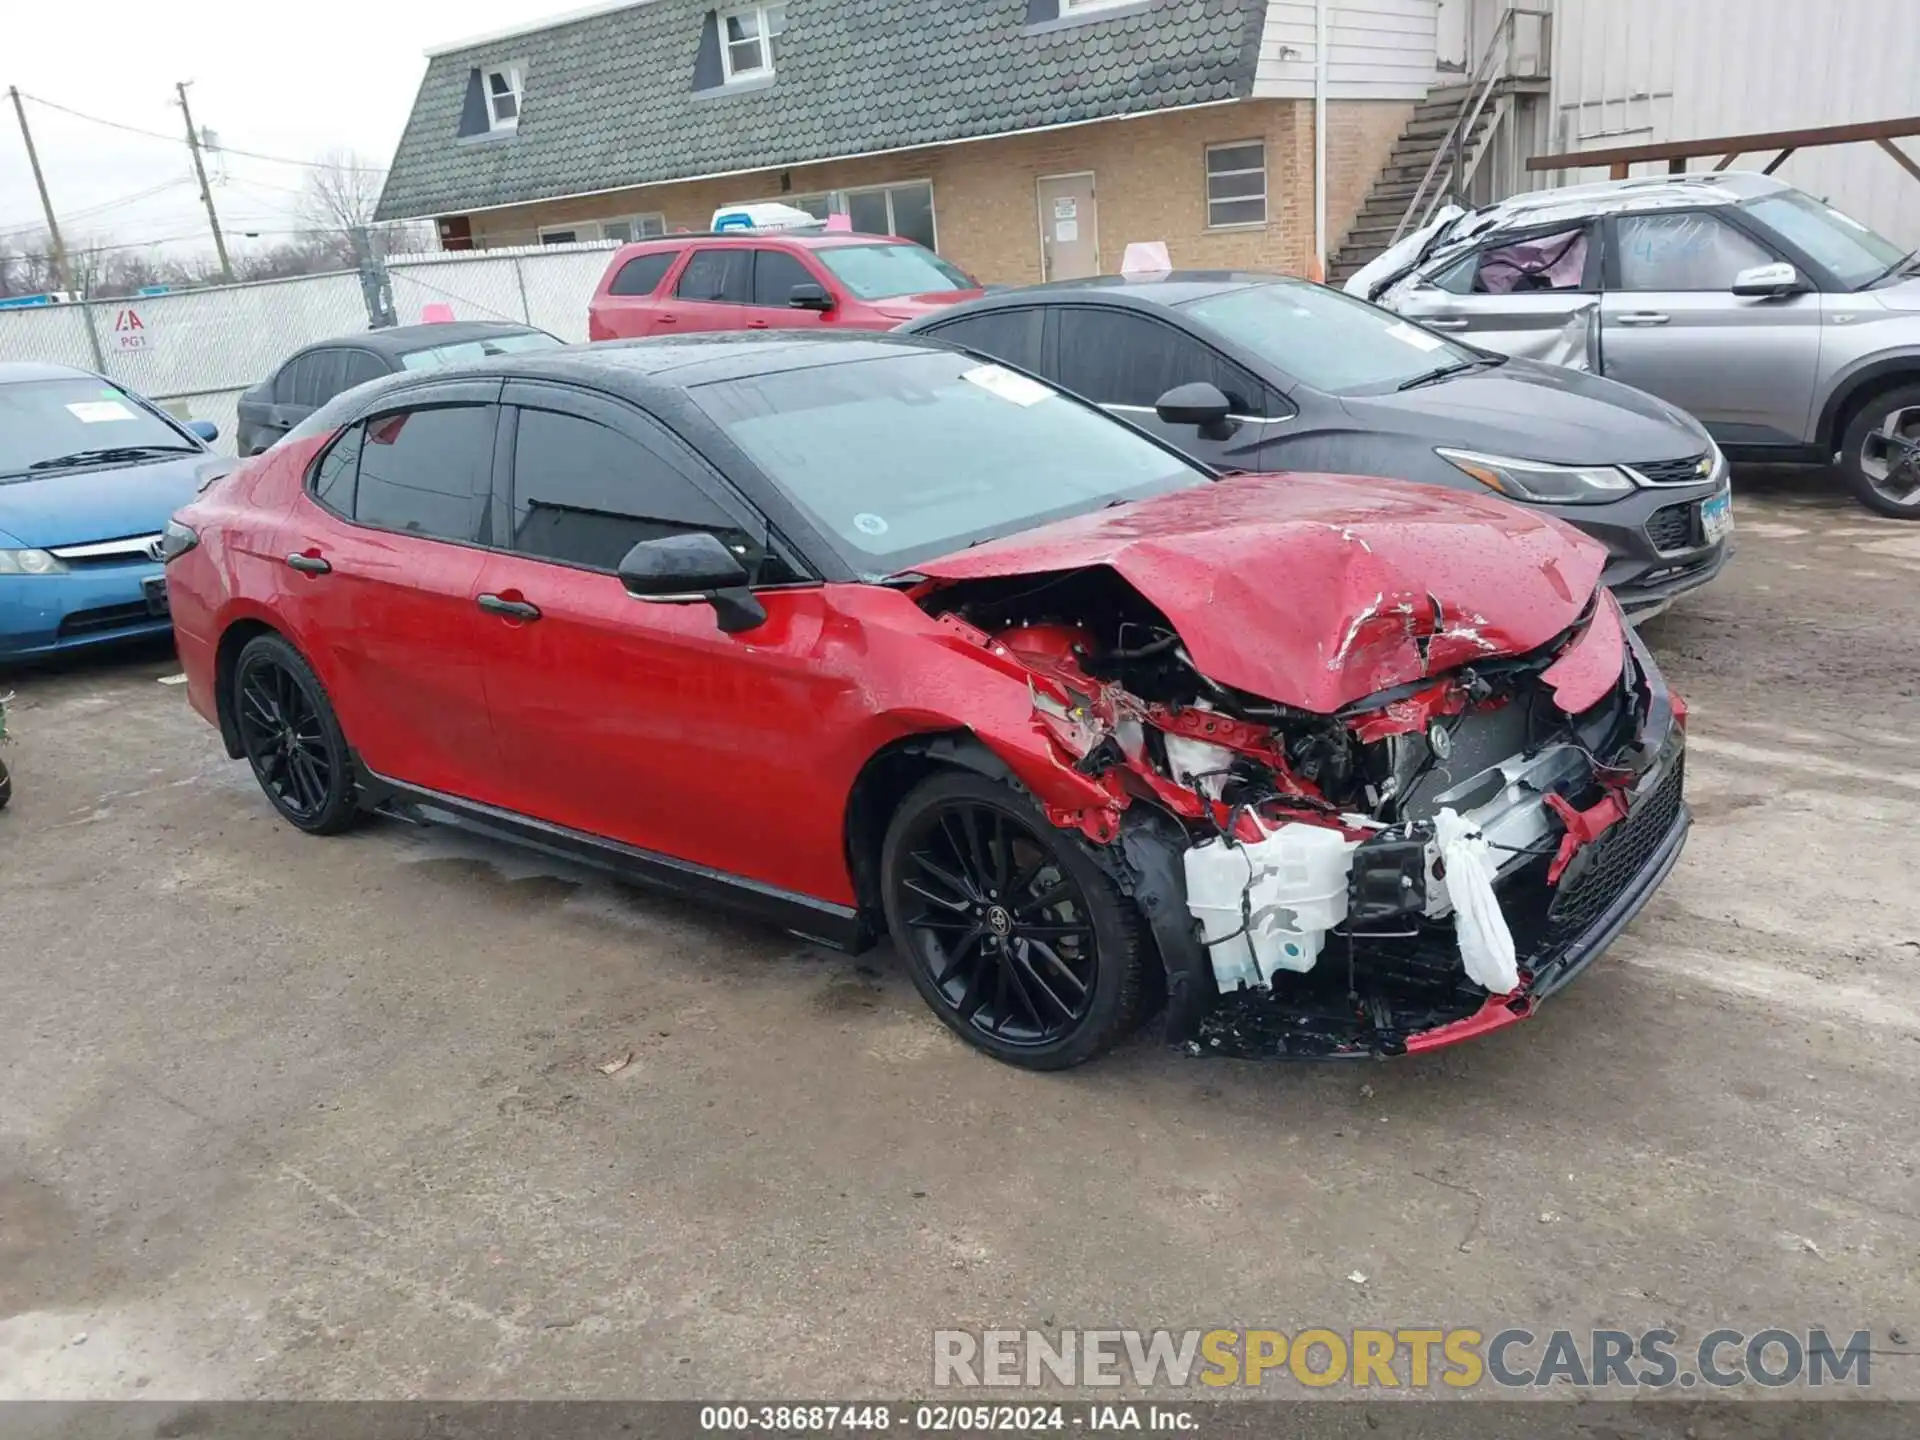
(308, 378)
(1261, 372)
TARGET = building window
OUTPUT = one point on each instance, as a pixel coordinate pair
(633, 227)
(1080, 7)
(746, 40)
(904, 210)
(627, 227)
(503, 98)
(1237, 184)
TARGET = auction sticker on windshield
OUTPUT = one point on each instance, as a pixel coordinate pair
(1716, 517)
(1007, 385)
(1417, 338)
(94, 412)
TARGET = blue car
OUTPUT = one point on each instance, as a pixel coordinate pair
(89, 474)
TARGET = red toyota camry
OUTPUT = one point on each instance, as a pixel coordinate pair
(866, 635)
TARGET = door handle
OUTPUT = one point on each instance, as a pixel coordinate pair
(666, 320)
(1642, 317)
(1445, 324)
(758, 325)
(310, 564)
(512, 609)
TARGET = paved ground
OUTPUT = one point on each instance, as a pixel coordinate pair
(291, 1117)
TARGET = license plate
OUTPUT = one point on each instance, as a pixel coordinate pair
(1716, 518)
(156, 593)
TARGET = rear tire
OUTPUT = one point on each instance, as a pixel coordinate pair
(6, 785)
(1013, 933)
(1884, 475)
(292, 739)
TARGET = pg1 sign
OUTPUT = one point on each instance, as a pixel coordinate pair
(129, 330)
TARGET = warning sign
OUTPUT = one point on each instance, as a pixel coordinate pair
(129, 331)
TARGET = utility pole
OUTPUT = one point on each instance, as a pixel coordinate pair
(206, 193)
(60, 276)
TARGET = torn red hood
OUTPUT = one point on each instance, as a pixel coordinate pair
(1319, 590)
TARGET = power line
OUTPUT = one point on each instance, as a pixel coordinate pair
(223, 149)
(25, 226)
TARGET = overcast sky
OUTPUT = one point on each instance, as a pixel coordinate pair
(292, 81)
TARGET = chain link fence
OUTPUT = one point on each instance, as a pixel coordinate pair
(194, 351)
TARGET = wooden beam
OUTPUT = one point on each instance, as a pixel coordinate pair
(1677, 165)
(1618, 172)
(1726, 162)
(1724, 144)
(1778, 160)
(1900, 157)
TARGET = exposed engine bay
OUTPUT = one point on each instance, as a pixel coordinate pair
(1430, 856)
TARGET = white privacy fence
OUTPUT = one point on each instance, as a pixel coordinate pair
(194, 351)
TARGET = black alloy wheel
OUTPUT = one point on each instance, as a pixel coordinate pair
(291, 739)
(1013, 933)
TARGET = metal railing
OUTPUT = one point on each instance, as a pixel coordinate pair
(1451, 159)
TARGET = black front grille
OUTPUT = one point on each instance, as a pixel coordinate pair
(1599, 876)
(106, 617)
(1672, 528)
(1674, 472)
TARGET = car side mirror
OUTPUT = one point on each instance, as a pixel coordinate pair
(1198, 404)
(204, 430)
(680, 569)
(810, 297)
(1769, 282)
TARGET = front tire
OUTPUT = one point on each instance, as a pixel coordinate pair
(292, 739)
(1013, 933)
(1880, 454)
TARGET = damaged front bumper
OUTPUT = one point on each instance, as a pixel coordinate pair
(1565, 901)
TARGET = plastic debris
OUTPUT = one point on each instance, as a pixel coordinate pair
(1486, 944)
(614, 1067)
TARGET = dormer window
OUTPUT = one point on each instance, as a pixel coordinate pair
(503, 98)
(746, 40)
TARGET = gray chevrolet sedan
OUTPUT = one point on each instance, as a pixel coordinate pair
(1251, 372)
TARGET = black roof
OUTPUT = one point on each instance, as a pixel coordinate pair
(1161, 289)
(631, 95)
(682, 361)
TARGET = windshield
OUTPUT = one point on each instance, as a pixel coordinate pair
(1846, 247)
(439, 355)
(923, 453)
(44, 421)
(883, 272)
(1330, 341)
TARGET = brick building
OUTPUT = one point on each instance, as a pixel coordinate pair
(1022, 139)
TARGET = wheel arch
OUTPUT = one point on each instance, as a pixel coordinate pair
(1858, 388)
(884, 781)
(233, 640)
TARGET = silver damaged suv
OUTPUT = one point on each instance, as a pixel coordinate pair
(1790, 330)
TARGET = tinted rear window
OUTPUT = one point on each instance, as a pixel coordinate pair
(642, 274)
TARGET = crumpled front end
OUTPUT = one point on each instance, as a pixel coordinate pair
(1421, 865)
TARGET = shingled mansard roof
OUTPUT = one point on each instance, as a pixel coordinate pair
(613, 99)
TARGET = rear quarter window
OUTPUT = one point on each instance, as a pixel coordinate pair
(642, 274)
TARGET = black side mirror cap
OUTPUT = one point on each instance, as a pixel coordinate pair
(809, 297)
(695, 566)
(1198, 404)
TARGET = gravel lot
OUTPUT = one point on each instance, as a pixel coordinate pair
(287, 1117)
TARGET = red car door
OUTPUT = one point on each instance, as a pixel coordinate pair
(711, 292)
(642, 722)
(775, 273)
(383, 559)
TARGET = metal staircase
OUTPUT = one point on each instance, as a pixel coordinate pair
(1439, 153)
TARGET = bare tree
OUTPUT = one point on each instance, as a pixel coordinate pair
(340, 195)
